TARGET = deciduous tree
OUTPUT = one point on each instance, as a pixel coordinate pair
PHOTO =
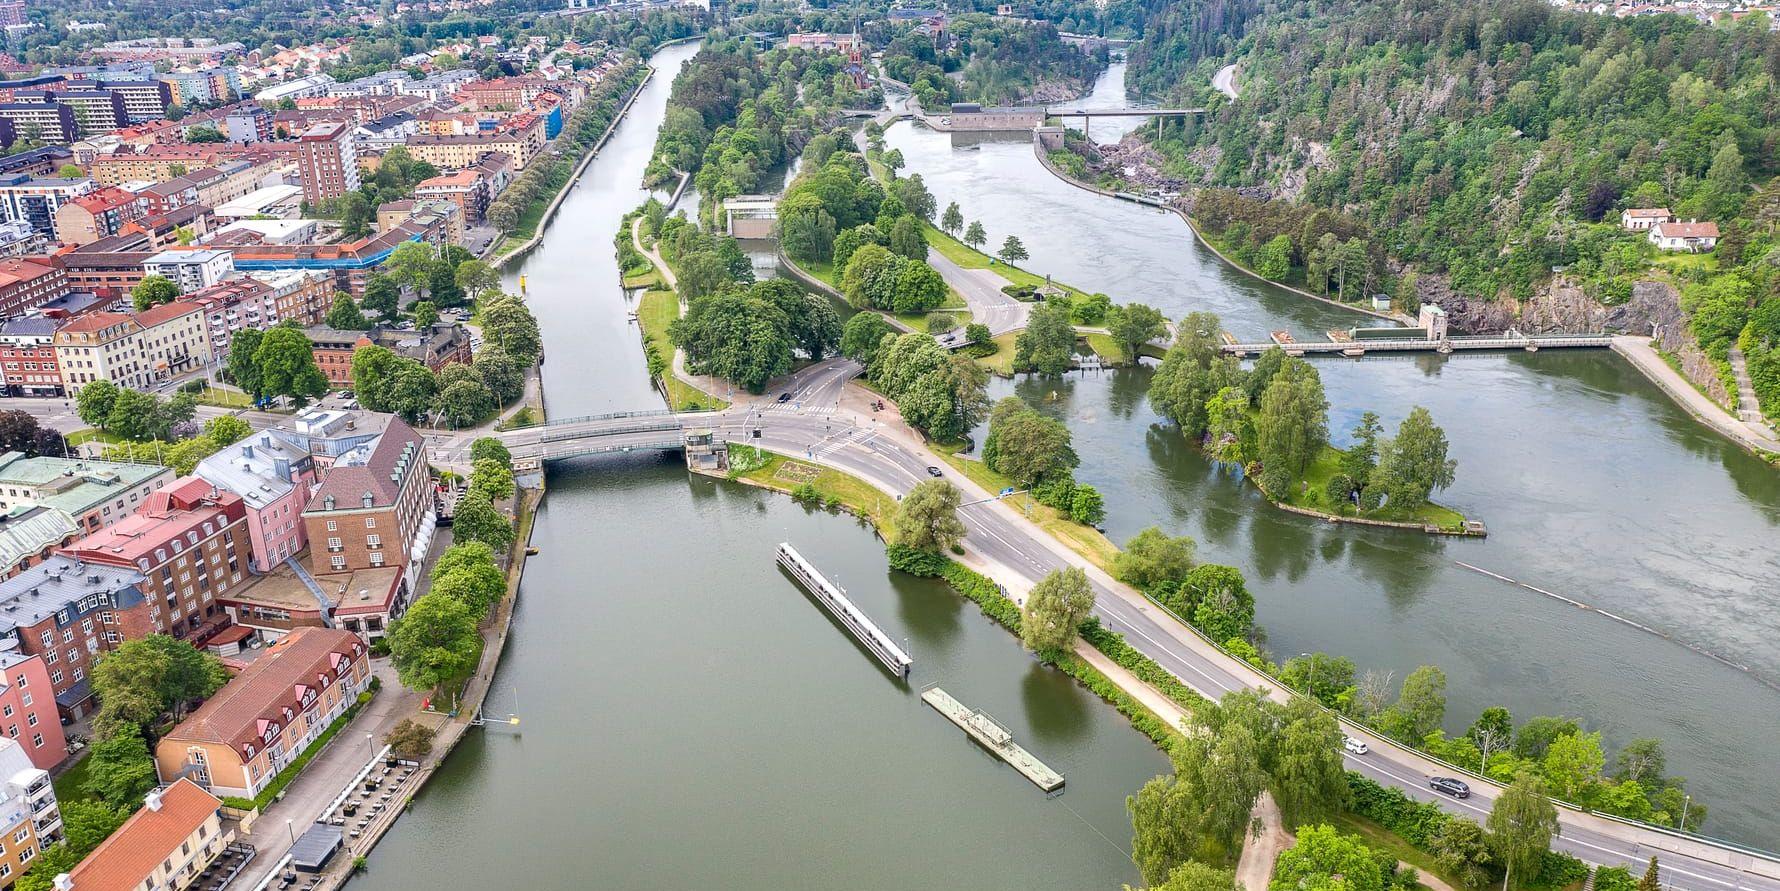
(1056, 605)
(927, 517)
(434, 642)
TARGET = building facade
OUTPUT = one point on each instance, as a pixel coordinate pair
(165, 845)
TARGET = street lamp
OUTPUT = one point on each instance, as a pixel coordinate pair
(290, 830)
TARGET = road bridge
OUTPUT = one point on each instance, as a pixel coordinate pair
(1445, 345)
(1061, 112)
(625, 431)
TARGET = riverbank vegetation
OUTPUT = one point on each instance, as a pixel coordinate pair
(1272, 421)
(991, 60)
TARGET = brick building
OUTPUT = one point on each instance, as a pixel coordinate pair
(28, 710)
(66, 611)
(100, 214)
(27, 283)
(260, 300)
(133, 350)
(28, 356)
(326, 162)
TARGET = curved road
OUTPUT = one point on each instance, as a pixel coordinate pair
(820, 423)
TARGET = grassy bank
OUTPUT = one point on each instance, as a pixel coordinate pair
(830, 488)
(1311, 495)
(970, 258)
(1084, 540)
(655, 312)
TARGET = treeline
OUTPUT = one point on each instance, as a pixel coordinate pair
(1486, 143)
(999, 62)
(1739, 305)
(735, 113)
(548, 173)
(1273, 420)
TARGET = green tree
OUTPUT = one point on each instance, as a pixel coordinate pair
(344, 315)
(1325, 678)
(952, 220)
(1086, 505)
(226, 430)
(1274, 260)
(1323, 858)
(1012, 250)
(1196, 876)
(1538, 733)
(426, 315)
(1361, 458)
(1462, 850)
(1226, 609)
(464, 402)
(1193, 371)
(382, 296)
(507, 323)
(1414, 463)
(927, 517)
(975, 236)
(1165, 819)
(1026, 446)
(504, 377)
(133, 414)
(243, 365)
(1134, 325)
(1059, 603)
(1047, 344)
(1652, 878)
(1309, 781)
(1421, 705)
(434, 643)
(441, 285)
(120, 770)
(489, 448)
(478, 520)
(492, 477)
(477, 585)
(410, 739)
(95, 402)
(735, 336)
(978, 334)
(474, 278)
(152, 291)
(1292, 425)
(906, 239)
(1521, 824)
(1572, 766)
(410, 265)
(287, 366)
(863, 335)
(1152, 558)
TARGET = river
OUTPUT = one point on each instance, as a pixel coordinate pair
(1593, 484)
(691, 719)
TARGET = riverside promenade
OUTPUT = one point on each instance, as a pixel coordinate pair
(1751, 435)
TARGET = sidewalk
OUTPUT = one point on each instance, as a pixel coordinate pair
(1750, 435)
(705, 384)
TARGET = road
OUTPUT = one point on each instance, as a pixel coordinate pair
(1225, 80)
(828, 422)
(981, 290)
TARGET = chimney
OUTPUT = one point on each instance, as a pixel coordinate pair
(153, 801)
(247, 451)
(64, 882)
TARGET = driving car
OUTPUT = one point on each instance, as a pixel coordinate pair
(1356, 746)
(1454, 787)
(934, 471)
(784, 397)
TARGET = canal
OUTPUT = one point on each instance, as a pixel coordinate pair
(689, 718)
(1593, 484)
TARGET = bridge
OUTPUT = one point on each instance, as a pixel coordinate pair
(1060, 112)
(625, 431)
(1442, 345)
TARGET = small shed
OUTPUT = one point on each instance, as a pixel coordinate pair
(315, 847)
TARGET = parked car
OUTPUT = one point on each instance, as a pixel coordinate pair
(1356, 746)
(1454, 787)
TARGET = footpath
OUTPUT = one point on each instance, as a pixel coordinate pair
(1750, 434)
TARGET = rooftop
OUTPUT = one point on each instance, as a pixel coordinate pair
(164, 525)
(261, 469)
(74, 485)
(371, 475)
(282, 681)
(125, 860)
(62, 582)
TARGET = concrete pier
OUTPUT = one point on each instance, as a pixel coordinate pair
(834, 598)
(994, 737)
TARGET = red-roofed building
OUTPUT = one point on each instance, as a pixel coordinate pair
(1692, 236)
(97, 215)
(191, 542)
(263, 718)
(177, 833)
(132, 350)
(467, 188)
(27, 283)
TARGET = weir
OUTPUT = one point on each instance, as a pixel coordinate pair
(994, 737)
(834, 598)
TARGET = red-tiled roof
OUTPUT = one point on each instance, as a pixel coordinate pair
(19, 269)
(95, 321)
(163, 519)
(287, 676)
(126, 859)
(347, 485)
(1687, 230)
(166, 312)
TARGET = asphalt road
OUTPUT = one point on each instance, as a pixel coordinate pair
(811, 425)
(981, 290)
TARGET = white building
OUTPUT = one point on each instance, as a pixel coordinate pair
(1691, 236)
(1639, 219)
(301, 88)
(191, 270)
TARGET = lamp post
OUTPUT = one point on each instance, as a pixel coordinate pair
(290, 830)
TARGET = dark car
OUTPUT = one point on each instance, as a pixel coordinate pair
(784, 397)
(934, 471)
(1450, 786)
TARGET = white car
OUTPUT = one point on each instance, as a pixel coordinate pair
(1358, 747)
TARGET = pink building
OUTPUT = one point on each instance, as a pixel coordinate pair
(28, 709)
(274, 475)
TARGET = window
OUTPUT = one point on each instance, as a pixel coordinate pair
(31, 719)
(373, 541)
(333, 526)
(55, 677)
(370, 522)
(333, 544)
(26, 699)
(37, 740)
(6, 711)
(337, 562)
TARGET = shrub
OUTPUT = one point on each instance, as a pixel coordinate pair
(1415, 821)
(806, 494)
(915, 561)
(941, 322)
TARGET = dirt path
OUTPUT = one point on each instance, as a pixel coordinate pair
(1255, 870)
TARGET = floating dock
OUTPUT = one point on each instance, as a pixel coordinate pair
(994, 737)
(834, 598)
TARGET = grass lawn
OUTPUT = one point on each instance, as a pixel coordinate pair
(647, 279)
(1682, 264)
(69, 786)
(655, 312)
(1327, 465)
(92, 434)
(1380, 838)
(864, 499)
(1002, 360)
(222, 398)
(918, 320)
(1106, 348)
(1084, 540)
(970, 258)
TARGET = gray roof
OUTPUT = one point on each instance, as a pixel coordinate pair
(61, 583)
(251, 467)
(31, 325)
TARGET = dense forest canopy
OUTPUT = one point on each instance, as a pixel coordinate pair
(1474, 140)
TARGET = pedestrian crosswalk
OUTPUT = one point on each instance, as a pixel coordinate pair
(792, 408)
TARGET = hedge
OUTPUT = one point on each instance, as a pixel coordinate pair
(1416, 822)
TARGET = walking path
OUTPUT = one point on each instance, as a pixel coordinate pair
(981, 290)
(1254, 871)
(705, 384)
(1752, 435)
(1748, 405)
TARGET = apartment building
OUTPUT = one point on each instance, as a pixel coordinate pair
(65, 611)
(260, 300)
(156, 163)
(327, 163)
(30, 816)
(274, 475)
(133, 350)
(372, 518)
(28, 715)
(458, 152)
(36, 201)
(165, 845)
(267, 715)
(191, 270)
(27, 283)
(46, 121)
(28, 357)
(190, 542)
(98, 214)
(94, 493)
